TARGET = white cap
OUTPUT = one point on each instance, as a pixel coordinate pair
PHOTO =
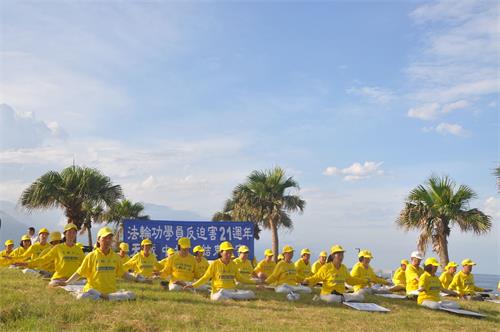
(417, 254)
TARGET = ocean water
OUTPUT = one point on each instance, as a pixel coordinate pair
(489, 281)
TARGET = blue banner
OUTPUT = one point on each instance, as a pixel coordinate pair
(165, 233)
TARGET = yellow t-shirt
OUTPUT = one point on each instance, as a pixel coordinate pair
(245, 267)
(33, 251)
(180, 268)
(200, 267)
(49, 266)
(66, 260)
(367, 275)
(125, 258)
(265, 267)
(316, 266)
(446, 279)
(5, 259)
(101, 271)
(430, 287)
(399, 277)
(18, 253)
(284, 273)
(223, 276)
(333, 279)
(412, 274)
(464, 284)
(143, 265)
(303, 269)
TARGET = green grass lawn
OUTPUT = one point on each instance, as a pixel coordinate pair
(27, 304)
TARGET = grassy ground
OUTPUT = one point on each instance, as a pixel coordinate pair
(27, 304)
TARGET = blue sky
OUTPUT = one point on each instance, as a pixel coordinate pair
(178, 102)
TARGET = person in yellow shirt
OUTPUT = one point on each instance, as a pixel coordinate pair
(364, 271)
(5, 255)
(101, 268)
(447, 275)
(243, 263)
(412, 273)
(66, 256)
(302, 265)
(144, 263)
(334, 275)
(463, 282)
(123, 253)
(399, 278)
(266, 266)
(429, 287)
(224, 273)
(320, 262)
(48, 269)
(285, 275)
(23, 247)
(201, 262)
(180, 267)
(170, 252)
(36, 248)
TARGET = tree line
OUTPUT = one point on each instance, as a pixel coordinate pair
(267, 199)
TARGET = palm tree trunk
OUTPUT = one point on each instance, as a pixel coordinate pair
(89, 233)
(443, 253)
(274, 230)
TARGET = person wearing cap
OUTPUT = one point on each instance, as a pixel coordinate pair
(320, 262)
(413, 272)
(24, 245)
(285, 275)
(66, 256)
(48, 269)
(334, 275)
(144, 263)
(123, 253)
(303, 264)
(101, 268)
(36, 248)
(399, 278)
(463, 282)
(170, 253)
(266, 266)
(5, 255)
(243, 263)
(180, 267)
(224, 273)
(429, 287)
(447, 275)
(364, 271)
(201, 262)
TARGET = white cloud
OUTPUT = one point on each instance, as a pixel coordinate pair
(23, 130)
(434, 110)
(374, 93)
(356, 171)
(450, 128)
(457, 66)
(461, 104)
(424, 112)
(491, 207)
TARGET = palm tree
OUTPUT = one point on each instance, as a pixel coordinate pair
(265, 199)
(234, 212)
(73, 189)
(124, 209)
(433, 208)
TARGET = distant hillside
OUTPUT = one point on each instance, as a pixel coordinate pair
(11, 228)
